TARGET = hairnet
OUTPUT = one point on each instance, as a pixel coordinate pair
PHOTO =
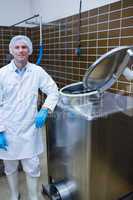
(21, 38)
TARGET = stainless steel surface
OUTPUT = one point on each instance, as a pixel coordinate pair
(103, 73)
(89, 136)
(76, 90)
(95, 152)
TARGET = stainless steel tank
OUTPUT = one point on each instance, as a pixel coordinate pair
(89, 136)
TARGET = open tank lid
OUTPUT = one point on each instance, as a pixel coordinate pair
(102, 74)
(105, 71)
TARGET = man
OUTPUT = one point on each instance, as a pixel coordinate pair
(20, 123)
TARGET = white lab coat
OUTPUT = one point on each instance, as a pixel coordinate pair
(18, 109)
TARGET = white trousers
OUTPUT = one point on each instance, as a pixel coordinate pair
(30, 165)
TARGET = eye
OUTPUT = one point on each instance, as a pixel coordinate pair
(24, 47)
(16, 47)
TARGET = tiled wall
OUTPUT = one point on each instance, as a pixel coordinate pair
(6, 33)
(101, 29)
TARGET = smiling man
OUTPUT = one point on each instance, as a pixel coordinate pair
(20, 122)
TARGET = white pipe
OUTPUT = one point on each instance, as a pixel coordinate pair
(128, 73)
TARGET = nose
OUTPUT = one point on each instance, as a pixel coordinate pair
(20, 49)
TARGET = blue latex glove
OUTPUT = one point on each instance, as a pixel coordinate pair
(3, 142)
(41, 118)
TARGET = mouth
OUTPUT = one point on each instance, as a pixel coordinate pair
(21, 56)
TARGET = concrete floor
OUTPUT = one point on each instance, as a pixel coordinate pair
(4, 190)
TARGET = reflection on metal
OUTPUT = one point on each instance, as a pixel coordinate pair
(130, 52)
(77, 89)
(94, 151)
(128, 196)
(103, 73)
(60, 190)
(89, 137)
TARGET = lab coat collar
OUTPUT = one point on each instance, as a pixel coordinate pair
(14, 68)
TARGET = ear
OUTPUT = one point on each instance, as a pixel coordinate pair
(11, 50)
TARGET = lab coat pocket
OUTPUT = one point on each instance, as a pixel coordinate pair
(30, 104)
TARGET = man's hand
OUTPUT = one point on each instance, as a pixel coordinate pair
(41, 118)
(3, 142)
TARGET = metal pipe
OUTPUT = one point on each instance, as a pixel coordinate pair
(25, 20)
(40, 30)
(51, 24)
(44, 24)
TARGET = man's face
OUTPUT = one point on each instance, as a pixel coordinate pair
(20, 52)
